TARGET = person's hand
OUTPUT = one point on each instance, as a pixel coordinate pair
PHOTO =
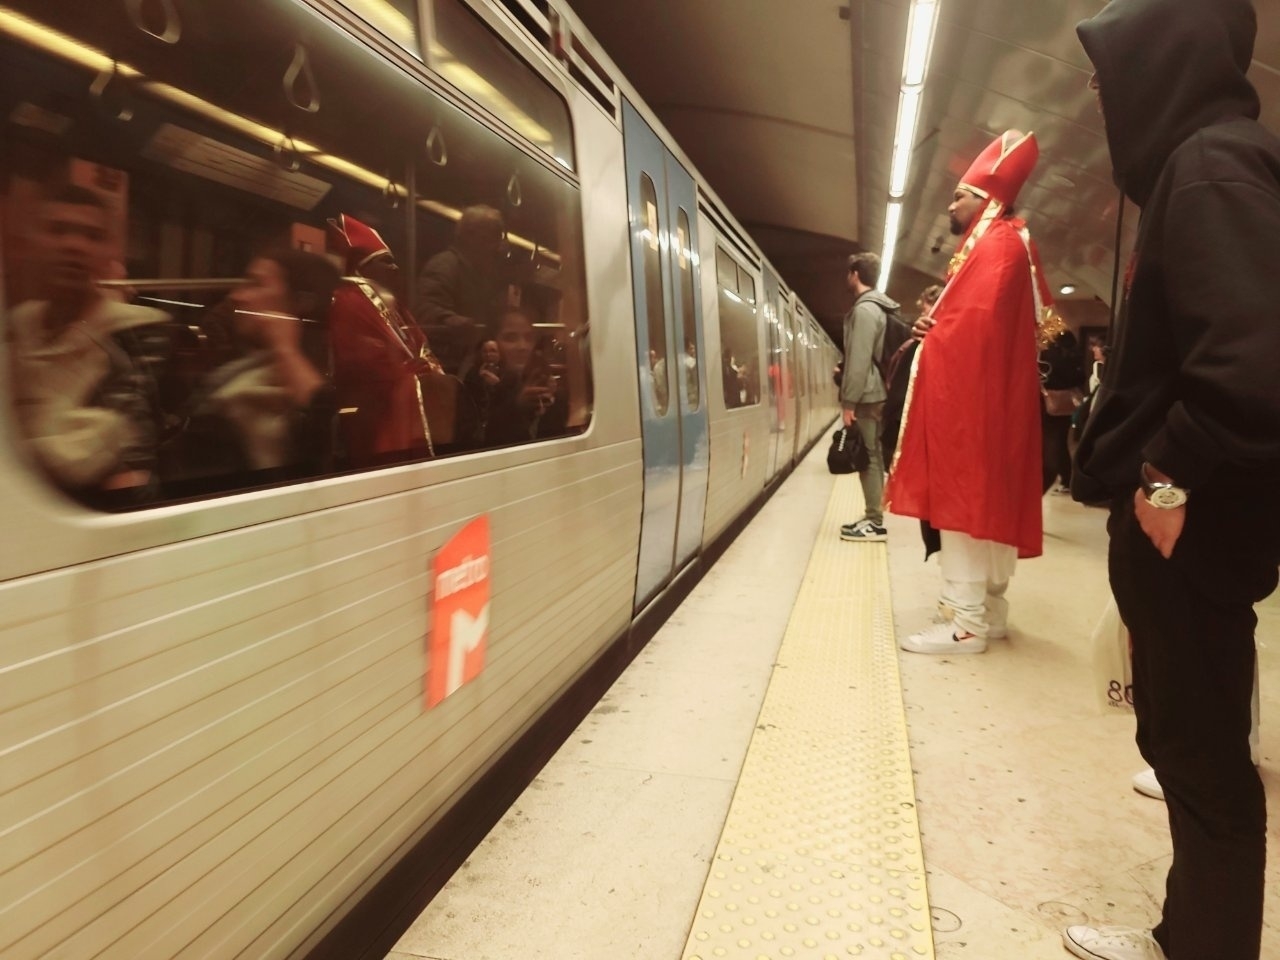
(490, 376)
(849, 418)
(922, 326)
(1162, 527)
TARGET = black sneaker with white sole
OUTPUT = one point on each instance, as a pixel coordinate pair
(867, 531)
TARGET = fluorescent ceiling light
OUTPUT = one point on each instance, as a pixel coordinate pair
(920, 33)
(904, 140)
(892, 223)
(1067, 289)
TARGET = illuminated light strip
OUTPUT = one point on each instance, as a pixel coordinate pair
(921, 29)
(904, 139)
(892, 223)
(57, 44)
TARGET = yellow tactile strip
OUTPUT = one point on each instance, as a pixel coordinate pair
(820, 855)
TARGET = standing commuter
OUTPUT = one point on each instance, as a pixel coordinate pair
(1064, 382)
(460, 290)
(968, 459)
(1184, 438)
(862, 388)
(891, 423)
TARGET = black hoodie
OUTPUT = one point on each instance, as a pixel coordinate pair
(1192, 384)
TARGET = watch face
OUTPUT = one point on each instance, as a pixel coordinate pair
(1167, 498)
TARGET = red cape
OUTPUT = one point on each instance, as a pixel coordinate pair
(969, 455)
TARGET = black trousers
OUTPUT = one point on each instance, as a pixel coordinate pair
(1192, 622)
(1055, 452)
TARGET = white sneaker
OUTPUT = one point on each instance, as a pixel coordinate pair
(1147, 784)
(942, 638)
(1111, 943)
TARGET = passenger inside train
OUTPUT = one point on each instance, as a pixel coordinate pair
(267, 413)
(86, 368)
(137, 196)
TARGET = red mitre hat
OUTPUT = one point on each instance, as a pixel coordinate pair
(355, 241)
(1001, 169)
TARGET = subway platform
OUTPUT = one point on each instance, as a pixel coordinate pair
(772, 778)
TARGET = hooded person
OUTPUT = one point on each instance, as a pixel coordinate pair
(384, 371)
(1184, 441)
(968, 457)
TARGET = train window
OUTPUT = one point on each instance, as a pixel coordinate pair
(471, 57)
(213, 274)
(739, 340)
(654, 369)
(689, 361)
(397, 20)
(726, 270)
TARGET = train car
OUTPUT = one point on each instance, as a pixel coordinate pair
(374, 372)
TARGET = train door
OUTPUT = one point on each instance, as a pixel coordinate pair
(787, 405)
(800, 368)
(775, 367)
(661, 202)
(795, 384)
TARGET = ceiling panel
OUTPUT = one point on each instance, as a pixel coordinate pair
(789, 111)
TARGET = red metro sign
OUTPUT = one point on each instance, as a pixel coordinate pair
(460, 611)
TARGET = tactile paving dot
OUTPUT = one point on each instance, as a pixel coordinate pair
(820, 855)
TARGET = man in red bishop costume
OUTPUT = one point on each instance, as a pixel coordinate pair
(968, 460)
(380, 356)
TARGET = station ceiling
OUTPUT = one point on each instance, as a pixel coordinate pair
(788, 109)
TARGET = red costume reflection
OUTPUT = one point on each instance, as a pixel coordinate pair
(379, 356)
(969, 455)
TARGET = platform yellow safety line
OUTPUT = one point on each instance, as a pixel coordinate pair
(820, 856)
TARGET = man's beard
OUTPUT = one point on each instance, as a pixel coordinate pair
(956, 228)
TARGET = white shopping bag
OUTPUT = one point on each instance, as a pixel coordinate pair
(1112, 660)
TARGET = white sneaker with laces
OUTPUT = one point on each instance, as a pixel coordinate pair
(865, 531)
(1146, 784)
(942, 638)
(1111, 943)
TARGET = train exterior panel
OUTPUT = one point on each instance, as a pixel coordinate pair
(214, 726)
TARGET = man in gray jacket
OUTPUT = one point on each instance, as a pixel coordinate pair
(862, 389)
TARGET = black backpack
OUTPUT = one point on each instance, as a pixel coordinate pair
(897, 334)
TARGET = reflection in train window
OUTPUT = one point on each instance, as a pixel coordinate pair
(654, 368)
(801, 351)
(473, 59)
(202, 303)
(689, 360)
(739, 343)
(397, 20)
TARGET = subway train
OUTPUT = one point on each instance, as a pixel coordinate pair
(377, 373)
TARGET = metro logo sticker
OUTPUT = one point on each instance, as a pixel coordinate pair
(460, 611)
